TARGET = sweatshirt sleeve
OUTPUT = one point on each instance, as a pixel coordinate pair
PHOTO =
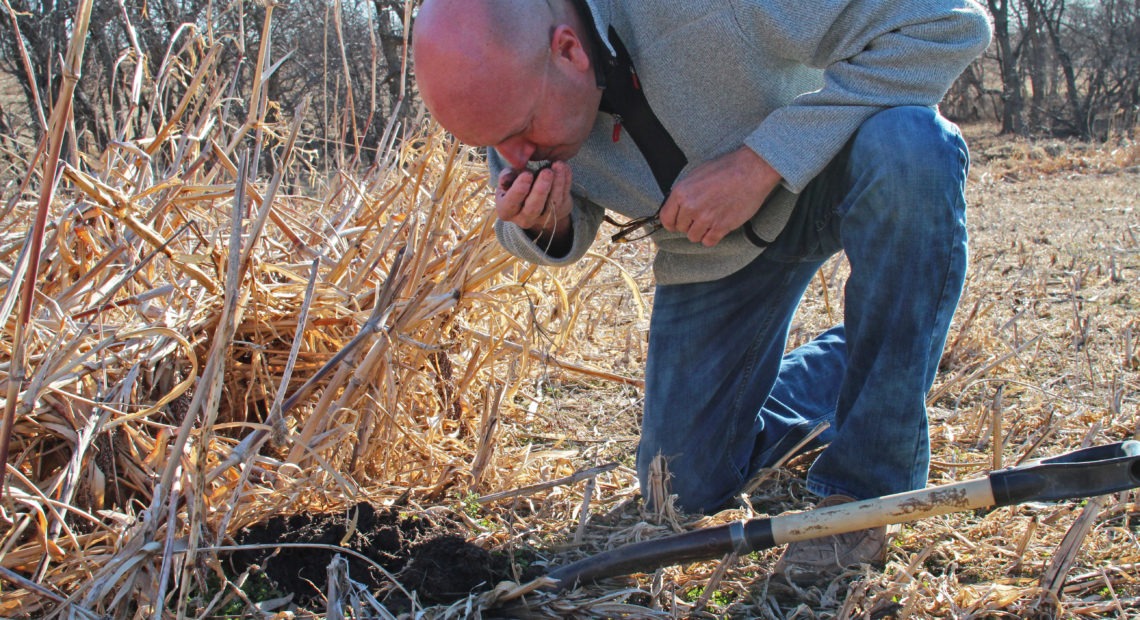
(875, 54)
(585, 219)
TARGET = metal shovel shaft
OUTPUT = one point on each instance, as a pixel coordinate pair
(1084, 473)
(750, 535)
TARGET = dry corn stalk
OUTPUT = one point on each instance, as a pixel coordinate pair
(186, 308)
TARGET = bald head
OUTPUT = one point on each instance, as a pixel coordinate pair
(476, 60)
(480, 27)
(467, 51)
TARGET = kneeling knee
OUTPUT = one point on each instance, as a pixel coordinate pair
(914, 141)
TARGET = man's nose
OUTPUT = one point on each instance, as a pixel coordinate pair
(516, 154)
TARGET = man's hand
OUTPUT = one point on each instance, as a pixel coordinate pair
(719, 196)
(540, 203)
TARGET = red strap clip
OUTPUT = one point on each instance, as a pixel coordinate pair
(617, 128)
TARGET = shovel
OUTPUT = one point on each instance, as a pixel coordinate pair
(1082, 473)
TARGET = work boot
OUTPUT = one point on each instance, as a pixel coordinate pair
(820, 560)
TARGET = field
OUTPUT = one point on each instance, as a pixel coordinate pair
(1045, 345)
(221, 361)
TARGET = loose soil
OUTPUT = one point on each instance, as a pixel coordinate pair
(428, 553)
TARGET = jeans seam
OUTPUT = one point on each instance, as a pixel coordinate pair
(737, 399)
(750, 365)
(943, 300)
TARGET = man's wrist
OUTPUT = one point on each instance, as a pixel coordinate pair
(555, 240)
(768, 176)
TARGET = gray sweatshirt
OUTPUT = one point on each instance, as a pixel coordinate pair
(790, 79)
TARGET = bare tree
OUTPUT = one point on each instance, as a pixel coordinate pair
(1009, 51)
(1066, 68)
(1107, 37)
(345, 56)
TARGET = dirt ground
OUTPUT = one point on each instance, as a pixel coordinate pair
(1047, 335)
(428, 553)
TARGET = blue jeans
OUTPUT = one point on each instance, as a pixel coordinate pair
(724, 400)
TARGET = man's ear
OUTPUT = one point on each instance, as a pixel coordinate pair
(565, 45)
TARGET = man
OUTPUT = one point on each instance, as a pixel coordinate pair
(766, 135)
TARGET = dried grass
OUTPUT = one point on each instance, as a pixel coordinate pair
(212, 343)
(206, 348)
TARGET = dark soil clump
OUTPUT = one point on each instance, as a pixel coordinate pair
(429, 554)
(448, 567)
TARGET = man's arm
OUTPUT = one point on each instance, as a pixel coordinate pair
(719, 196)
(538, 219)
(539, 202)
(875, 54)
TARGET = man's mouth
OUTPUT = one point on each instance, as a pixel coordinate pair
(558, 153)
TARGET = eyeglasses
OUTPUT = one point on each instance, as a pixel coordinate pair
(635, 229)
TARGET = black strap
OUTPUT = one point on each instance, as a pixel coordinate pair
(624, 98)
